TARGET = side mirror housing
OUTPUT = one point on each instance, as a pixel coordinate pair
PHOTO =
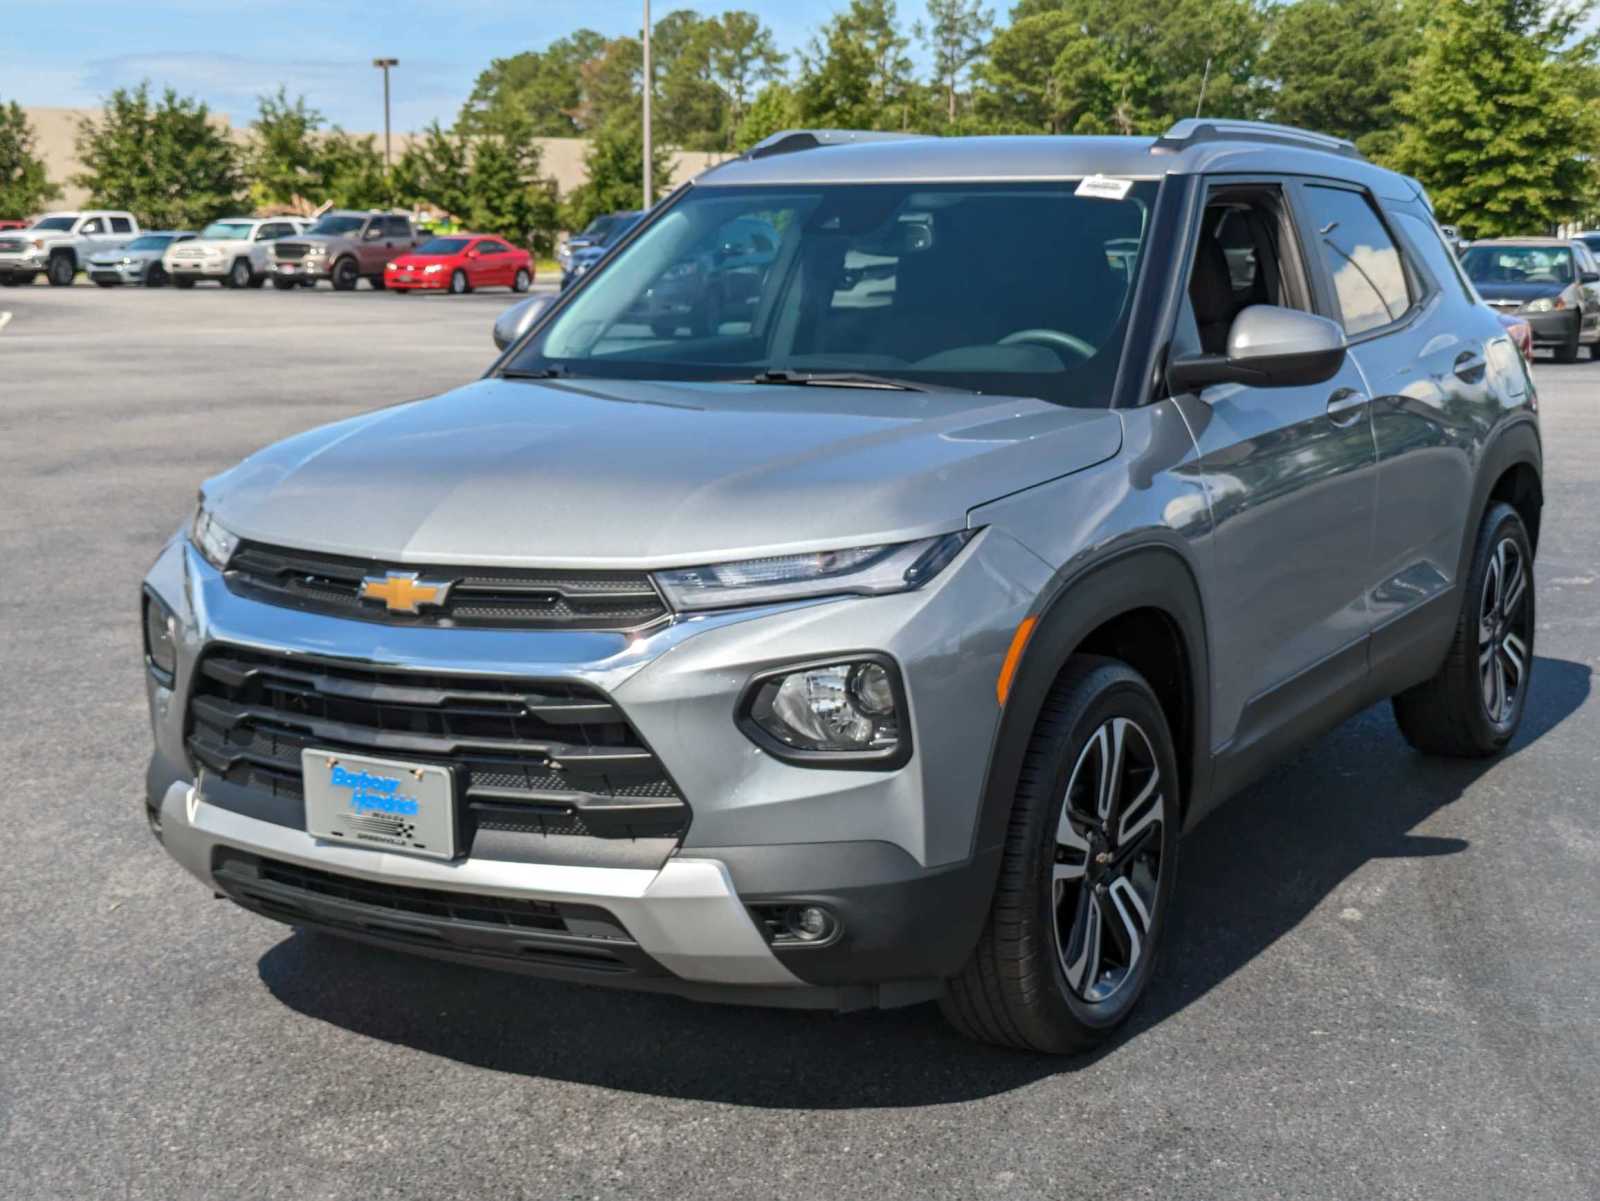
(372, 234)
(1268, 347)
(519, 319)
(1589, 277)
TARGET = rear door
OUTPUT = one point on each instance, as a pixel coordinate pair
(1291, 475)
(496, 261)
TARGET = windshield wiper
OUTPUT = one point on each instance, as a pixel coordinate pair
(846, 379)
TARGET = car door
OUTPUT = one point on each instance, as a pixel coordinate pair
(91, 233)
(496, 262)
(1291, 477)
(371, 253)
(1589, 286)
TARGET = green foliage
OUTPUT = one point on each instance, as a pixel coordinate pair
(437, 169)
(283, 158)
(776, 108)
(1500, 117)
(24, 186)
(542, 88)
(743, 55)
(615, 164)
(350, 171)
(956, 35)
(856, 73)
(167, 162)
(508, 195)
(1338, 65)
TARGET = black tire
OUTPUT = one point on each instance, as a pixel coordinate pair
(18, 280)
(1450, 714)
(345, 275)
(1024, 987)
(258, 281)
(1594, 349)
(183, 281)
(522, 281)
(61, 271)
(459, 284)
(238, 274)
(1567, 352)
(379, 284)
(155, 276)
(284, 284)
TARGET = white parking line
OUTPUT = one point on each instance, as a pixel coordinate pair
(5, 319)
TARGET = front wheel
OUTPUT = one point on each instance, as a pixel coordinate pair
(458, 282)
(345, 275)
(1473, 705)
(1087, 874)
(524, 281)
(61, 271)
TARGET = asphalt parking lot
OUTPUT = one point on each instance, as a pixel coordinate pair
(1382, 981)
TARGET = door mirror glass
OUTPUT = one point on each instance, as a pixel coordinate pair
(518, 319)
(1268, 347)
(1589, 277)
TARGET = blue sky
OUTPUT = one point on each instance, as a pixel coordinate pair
(226, 52)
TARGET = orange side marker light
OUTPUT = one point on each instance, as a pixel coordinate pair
(1008, 669)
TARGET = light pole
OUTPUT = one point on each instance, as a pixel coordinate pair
(386, 63)
(649, 81)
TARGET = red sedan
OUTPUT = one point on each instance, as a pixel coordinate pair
(460, 263)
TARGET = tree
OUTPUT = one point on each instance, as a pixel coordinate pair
(282, 158)
(508, 196)
(775, 109)
(544, 87)
(167, 162)
(437, 168)
(1320, 84)
(743, 55)
(24, 186)
(691, 110)
(956, 34)
(610, 84)
(350, 171)
(1498, 126)
(615, 166)
(856, 74)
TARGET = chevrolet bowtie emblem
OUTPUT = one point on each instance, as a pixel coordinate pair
(403, 592)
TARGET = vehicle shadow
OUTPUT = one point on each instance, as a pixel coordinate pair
(1354, 796)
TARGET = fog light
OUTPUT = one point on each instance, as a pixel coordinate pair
(810, 923)
(846, 713)
(160, 641)
(791, 925)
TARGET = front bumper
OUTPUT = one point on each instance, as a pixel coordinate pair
(1554, 328)
(890, 853)
(119, 273)
(312, 269)
(22, 264)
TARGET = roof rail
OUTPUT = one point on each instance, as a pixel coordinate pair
(788, 141)
(1194, 131)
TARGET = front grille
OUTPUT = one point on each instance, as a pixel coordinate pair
(289, 250)
(540, 759)
(498, 931)
(12, 245)
(478, 596)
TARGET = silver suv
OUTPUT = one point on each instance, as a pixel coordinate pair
(873, 634)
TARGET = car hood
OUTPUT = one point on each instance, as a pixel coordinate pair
(606, 473)
(226, 245)
(1519, 292)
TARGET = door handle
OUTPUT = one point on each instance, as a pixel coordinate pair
(1469, 367)
(1345, 406)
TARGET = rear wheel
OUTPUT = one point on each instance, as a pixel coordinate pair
(1473, 705)
(17, 280)
(238, 274)
(1086, 879)
(183, 281)
(522, 282)
(155, 276)
(345, 275)
(458, 282)
(61, 270)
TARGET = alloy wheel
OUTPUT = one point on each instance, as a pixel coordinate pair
(1107, 870)
(1503, 632)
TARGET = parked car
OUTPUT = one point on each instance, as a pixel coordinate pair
(139, 262)
(1591, 239)
(12, 223)
(1521, 333)
(461, 263)
(59, 244)
(1453, 239)
(343, 248)
(590, 252)
(234, 251)
(712, 286)
(591, 235)
(1553, 282)
(867, 649)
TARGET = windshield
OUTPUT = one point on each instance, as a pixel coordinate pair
(227, 231)
(335, 226)
(1011, 288)
(621, 225)
(150, 242)
(596, 229)
(1518, 264)
(442, 246)
(53, 223)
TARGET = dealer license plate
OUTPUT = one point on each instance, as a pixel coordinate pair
(380, 803)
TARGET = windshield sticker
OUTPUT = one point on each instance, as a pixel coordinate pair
(1104, 187)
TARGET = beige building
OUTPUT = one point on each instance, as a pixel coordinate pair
(57, 131)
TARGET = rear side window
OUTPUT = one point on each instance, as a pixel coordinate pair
(1369, 277)
(396, 227)
(121, 225)
(1436, 256)
(493, 248)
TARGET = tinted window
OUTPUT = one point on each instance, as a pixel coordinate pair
(227, 230)
(1369, 278)
(1017, 289)
(443, 246)
(1518, 264)
(493, 248)
(54, 223)
(150, 242)
(1429, 243)
(121, 225)
(396, 227)
(335, 226)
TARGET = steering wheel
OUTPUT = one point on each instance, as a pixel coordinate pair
(1054, 338)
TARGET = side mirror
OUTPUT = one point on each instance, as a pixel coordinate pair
(372, 234)
(1589, 277)
(519, 319)
(1268, 347)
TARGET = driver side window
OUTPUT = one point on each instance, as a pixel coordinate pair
(1244, 255)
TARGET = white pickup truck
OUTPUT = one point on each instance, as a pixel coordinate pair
(233, 251)
(60, 244)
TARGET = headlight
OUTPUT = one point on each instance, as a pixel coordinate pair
(313, 252)
(580, 268)
(160, 640)
(847, 713)
(859, 571)
(215, 544)
(433, 269)
(1545, 304)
